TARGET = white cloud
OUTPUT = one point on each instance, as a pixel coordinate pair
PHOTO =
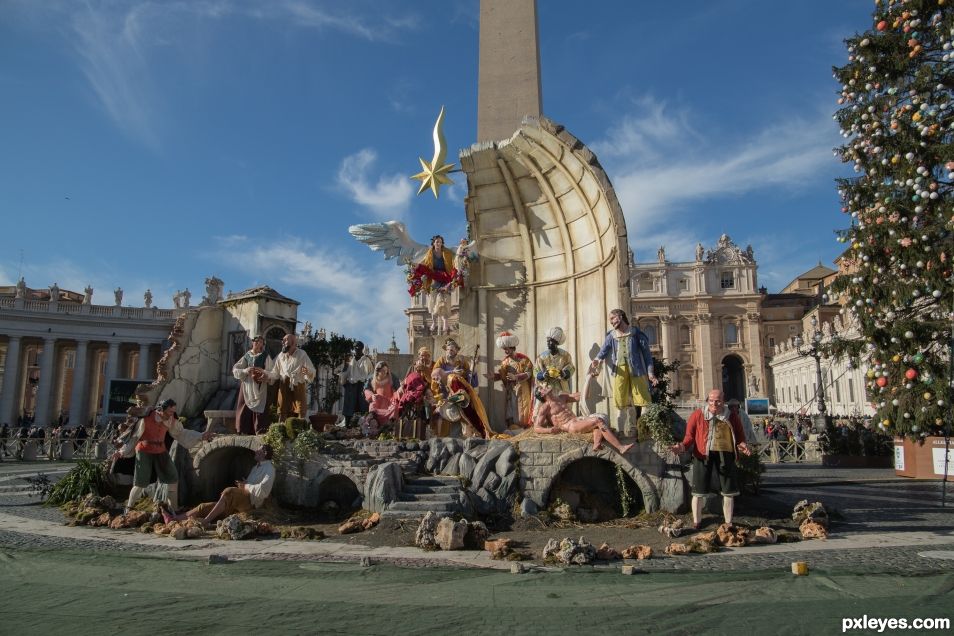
(114, 65)
(660, 165)
(336, 292)
(117, 43)
(389, 197)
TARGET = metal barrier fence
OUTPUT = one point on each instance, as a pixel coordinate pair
(55, 449)
(779, 452)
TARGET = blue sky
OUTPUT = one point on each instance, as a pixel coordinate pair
(152, 144)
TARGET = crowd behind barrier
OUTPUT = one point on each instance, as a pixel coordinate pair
(35, 443)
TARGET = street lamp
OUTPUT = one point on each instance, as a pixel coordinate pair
(813, 350)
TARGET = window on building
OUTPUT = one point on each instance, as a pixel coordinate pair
(683, 284)
(70, 359)
(805, 386)
(728, 280)
(32, 356)
(770, 329)
(685, 335)
(771, 342)
(731, 333)
(838, 391)
(798, 398)
(645, 282)
(792, 329)
(851, 391)
(650, 331)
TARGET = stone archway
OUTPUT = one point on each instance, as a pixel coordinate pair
(733, 378)
(590, 487)
(650, 494)
(220, 469)
(341, 488)
(553, 250)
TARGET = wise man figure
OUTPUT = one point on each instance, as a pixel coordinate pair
(252, 370)
(294, 372)
(554, 367)
(626, 350)
(452, 374)
(515, 372)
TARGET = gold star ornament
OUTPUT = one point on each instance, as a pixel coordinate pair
(434, 173)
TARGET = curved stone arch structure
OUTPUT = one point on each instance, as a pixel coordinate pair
(333, 471)
(249, 442)
(651, 499)
(553, 249)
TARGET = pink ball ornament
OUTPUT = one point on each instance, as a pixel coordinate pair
(882, 381)
(911, 374)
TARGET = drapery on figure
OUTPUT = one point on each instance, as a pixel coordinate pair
(630, 363)
(437, 268)
(380, 391)
(553, 416)
(452, 376)
(294, 371)
(516, 374)
(415, 400)
(251, 407)
(554, 367)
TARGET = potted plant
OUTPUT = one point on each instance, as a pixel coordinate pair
(328, 355)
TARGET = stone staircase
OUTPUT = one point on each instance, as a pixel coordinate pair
(421, 494)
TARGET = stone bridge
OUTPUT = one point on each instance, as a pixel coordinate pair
(494, 474)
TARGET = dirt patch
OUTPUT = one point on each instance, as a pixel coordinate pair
(529, 535)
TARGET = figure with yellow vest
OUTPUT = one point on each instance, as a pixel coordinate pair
(630, 363)
(516, 374)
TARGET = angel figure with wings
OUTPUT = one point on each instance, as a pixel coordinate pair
(429, 267)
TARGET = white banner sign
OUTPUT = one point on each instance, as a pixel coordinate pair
(899, 458)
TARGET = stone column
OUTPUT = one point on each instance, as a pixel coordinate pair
(79, 390)
(706, 363)
(508, 69)
(112, 372)
(43, 388)
(668, 351)
(9, 405)
(143, 369)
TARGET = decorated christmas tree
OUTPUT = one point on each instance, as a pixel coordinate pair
(897, 117)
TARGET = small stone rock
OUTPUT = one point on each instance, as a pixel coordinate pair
(424, 537)
(814, 511)
(351, 526)
(765, 535)
(517, 568)
(606, 553)
(674, 549)
(235, 528)
(477, 534)
(639, 552)
(813, 530)
(628, 570)
(732, 536)
(450, 534)
(218, 559)
(569, 552)
(498, 548)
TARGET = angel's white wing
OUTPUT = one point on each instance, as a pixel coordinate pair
(390, 237)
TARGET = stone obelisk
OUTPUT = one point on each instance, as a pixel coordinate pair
(508, 82)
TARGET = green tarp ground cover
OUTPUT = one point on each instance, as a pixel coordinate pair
(68, 592)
